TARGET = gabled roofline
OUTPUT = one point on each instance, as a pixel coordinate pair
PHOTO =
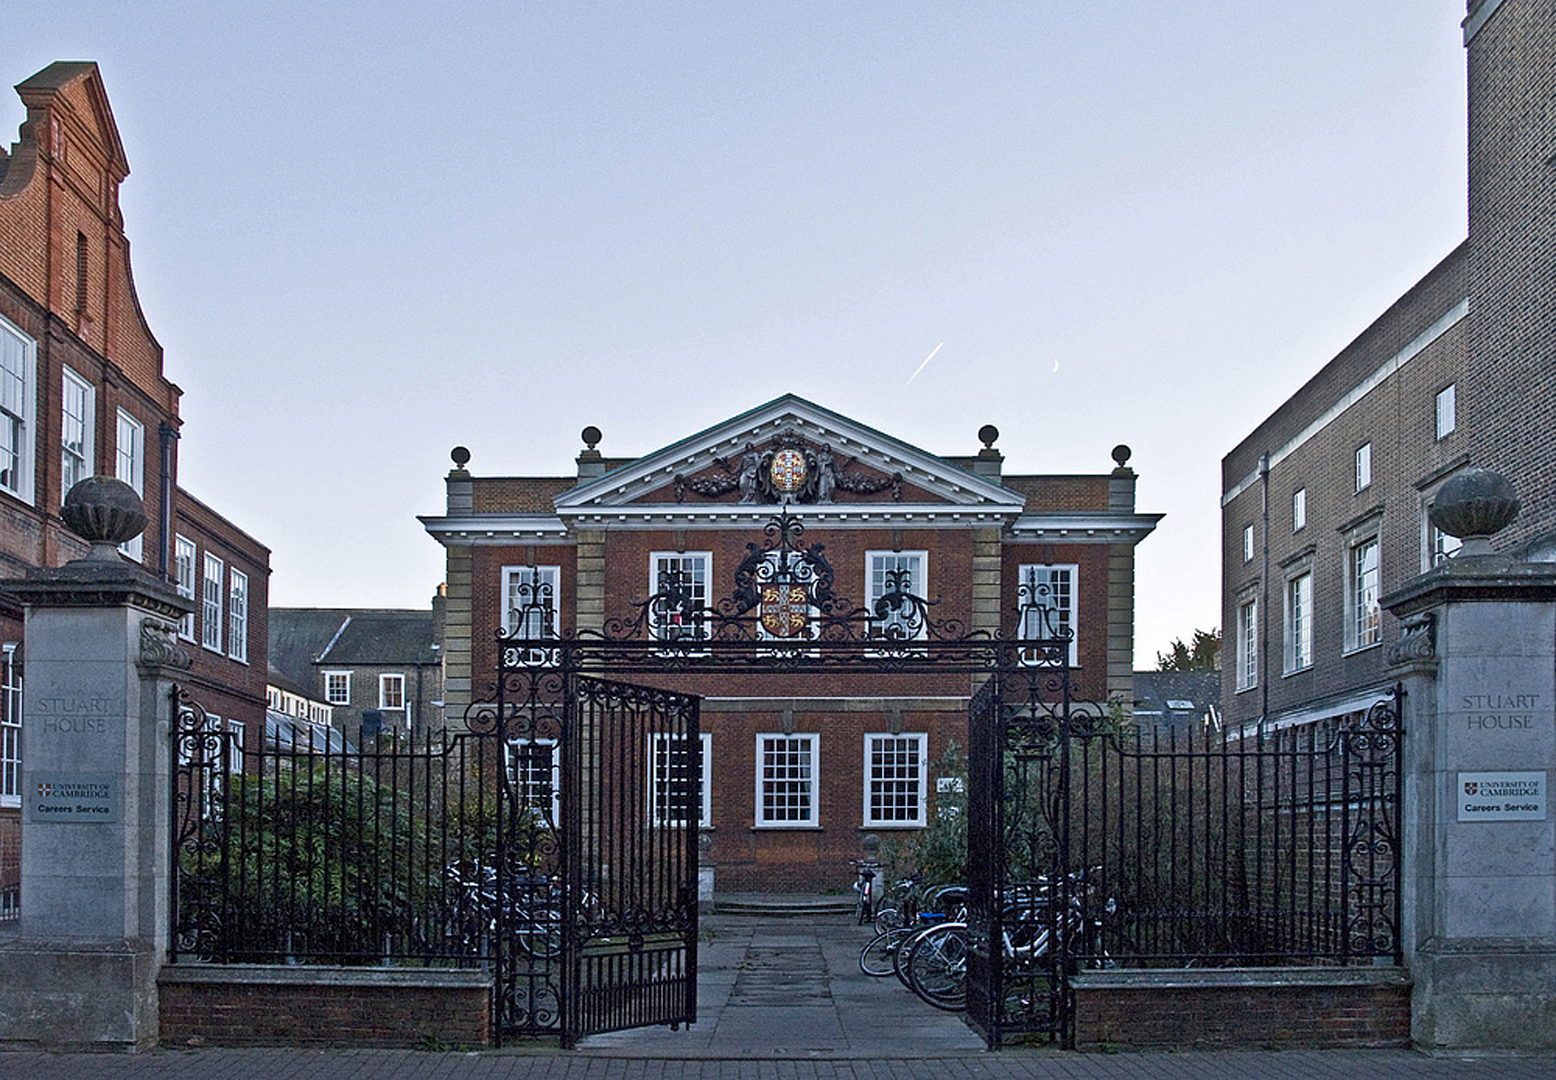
(39, 91)
(922, 468)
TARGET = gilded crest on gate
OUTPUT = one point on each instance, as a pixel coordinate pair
(785, 610)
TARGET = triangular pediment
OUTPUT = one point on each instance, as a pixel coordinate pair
(790, 451)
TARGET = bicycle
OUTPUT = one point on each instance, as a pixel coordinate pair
(864, 889)
(936, 960)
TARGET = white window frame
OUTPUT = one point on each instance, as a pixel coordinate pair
(385, 681)
(235, 730)
(184, 555)
(542, 794)
(18, 409)
(660, 778)
(212, 596)
(1299, 623)
(698, 568)
(1063, 579)
(1247, 658)
(129, 465)
(1446, 406)
(1363, 587)
(776, 782)
(10, 726)
(1364, 466)
(78, 409)
(876, 566)
(516, 578)
(1299, 510)
(910, 784)
(344, 698)
(1440, 547)
(238, 616)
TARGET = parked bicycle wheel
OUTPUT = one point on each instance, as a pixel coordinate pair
(905, 952)
(887, 918)
(879, 957)
(937, 970)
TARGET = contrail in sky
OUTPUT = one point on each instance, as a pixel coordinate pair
(925, 364)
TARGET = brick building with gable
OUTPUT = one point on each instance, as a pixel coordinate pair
(1324, 504)
(82, 393)
(799, 769)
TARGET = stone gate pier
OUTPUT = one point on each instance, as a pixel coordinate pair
(78, 970)
(1478, 665)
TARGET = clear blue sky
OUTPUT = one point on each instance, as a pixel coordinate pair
(366, 232)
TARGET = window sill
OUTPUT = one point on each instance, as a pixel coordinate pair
(1362, 648)
(892, 826)
(785, 826)
(1245, 689)
(1303, 670)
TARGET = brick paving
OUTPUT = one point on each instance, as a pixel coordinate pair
(839, 1025)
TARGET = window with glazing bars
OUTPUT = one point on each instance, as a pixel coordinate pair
(894, 779)
(688, 573)
(238, 617)
(10, 726)
(184, 567)
(786, 779)
(671, 779)
(211, 604)
(533, 771)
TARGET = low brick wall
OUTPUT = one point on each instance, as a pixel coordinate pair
(1246, 1008)
(264, 1005)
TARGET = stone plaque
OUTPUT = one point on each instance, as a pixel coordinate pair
(72, 798)
(1501, 796)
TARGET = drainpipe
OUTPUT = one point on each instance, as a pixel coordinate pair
(168, 435)
(1264, 600)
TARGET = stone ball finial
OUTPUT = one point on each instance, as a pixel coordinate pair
(460, 455)
(1474, 506)
(105, 513)
(1121, 455)
(987, 435)
(591, 436)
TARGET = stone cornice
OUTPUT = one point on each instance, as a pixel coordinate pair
(1474, 579)
(1085, 527)
(87, 583)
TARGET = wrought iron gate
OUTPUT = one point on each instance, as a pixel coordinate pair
(553, 841)
(600, 800)
(1095, 841)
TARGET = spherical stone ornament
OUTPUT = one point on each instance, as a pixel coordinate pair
(104, 512)
(1475, 504)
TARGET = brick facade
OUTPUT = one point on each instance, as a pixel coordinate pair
(1482, 322)
(73, 332)
(1228, 1009)
(256, 1005)
(974, 527)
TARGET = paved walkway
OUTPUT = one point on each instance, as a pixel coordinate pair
(792, 988)
(779, 1000)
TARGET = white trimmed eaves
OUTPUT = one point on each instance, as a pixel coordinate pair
(847, 439)
(839, 515)
(1093, 527)
(479, 529)
(1444, 323)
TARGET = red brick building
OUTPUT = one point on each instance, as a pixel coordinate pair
(1324, 504)
(82, 393)
(799, 768)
